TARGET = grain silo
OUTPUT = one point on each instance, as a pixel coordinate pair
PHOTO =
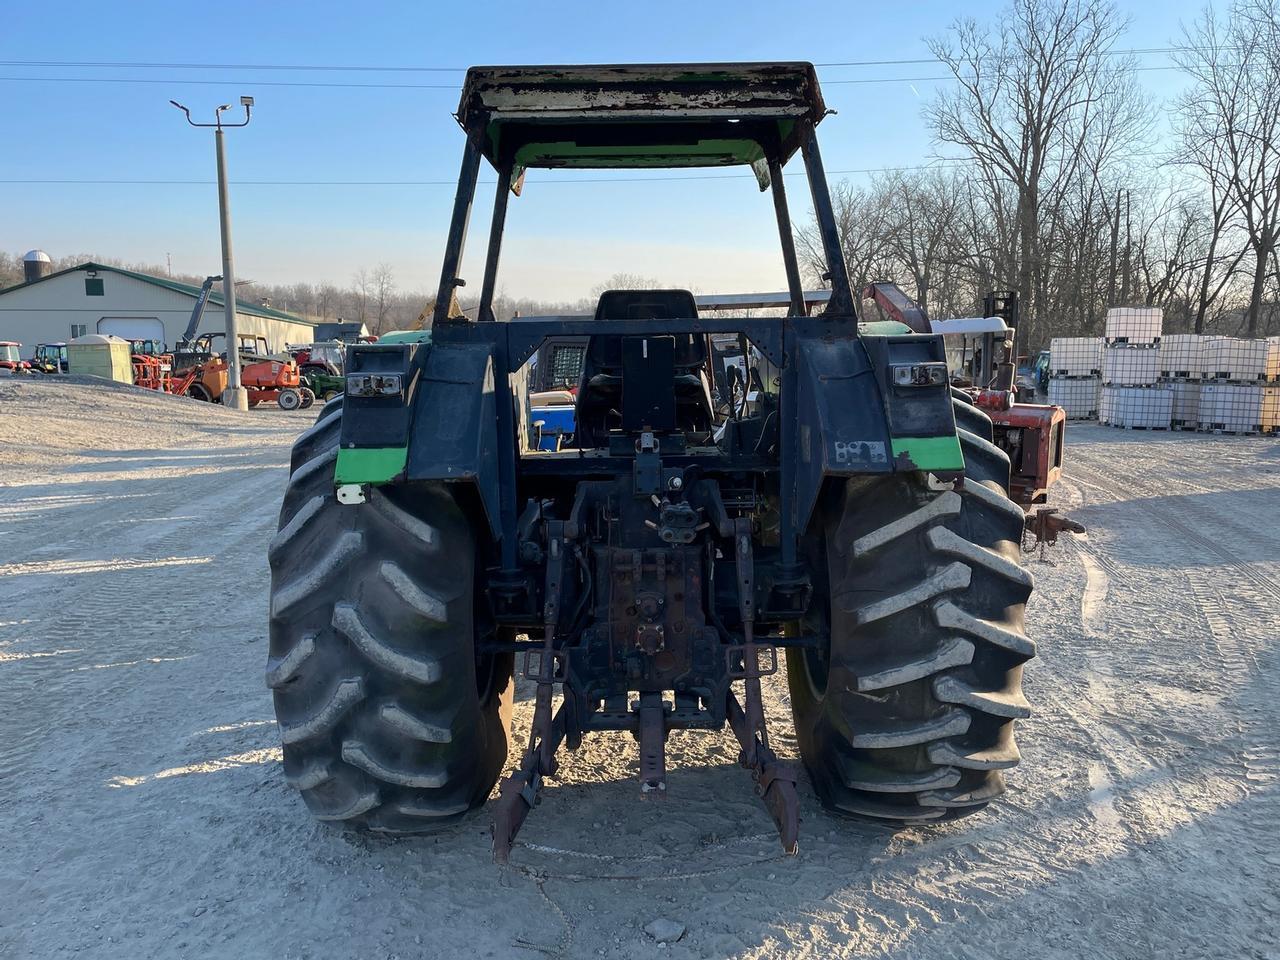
(36, 264)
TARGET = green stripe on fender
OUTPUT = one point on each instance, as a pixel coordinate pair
(925, 453)
(369, 464)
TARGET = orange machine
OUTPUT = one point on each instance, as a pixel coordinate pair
(202, 374)
(152, 367)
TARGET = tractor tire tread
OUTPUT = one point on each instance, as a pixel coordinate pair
(910, 717)
(389, 721)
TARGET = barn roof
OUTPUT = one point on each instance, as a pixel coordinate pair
(242, 306)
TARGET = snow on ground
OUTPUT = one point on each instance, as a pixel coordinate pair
(143, 812)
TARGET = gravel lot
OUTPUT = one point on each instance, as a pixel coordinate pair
(143, 812)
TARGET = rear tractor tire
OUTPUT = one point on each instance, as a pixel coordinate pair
(308, 398)
(389, 720)
(330, 405)
(908, 715)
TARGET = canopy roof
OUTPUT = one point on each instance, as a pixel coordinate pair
(640, 115)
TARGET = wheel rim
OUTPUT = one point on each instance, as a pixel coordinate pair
(817, 670)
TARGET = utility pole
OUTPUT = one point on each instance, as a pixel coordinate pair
(235, 395)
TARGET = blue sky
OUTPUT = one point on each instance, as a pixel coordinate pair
(562, 238)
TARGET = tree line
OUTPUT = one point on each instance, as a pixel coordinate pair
(1058, 187)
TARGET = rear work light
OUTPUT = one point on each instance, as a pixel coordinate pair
(373, 384)
(919, 374)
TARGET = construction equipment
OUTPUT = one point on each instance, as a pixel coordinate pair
(152, 365)
(200, 371)
(50, 358)
(188, 337)
(11, 361)
(848, 512)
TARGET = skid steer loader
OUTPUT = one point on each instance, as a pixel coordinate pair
(846, 510)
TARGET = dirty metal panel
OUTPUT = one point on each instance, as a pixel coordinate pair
(841, 427)
(914, 410)
(454, 431)
(640, 116)
(658, 90)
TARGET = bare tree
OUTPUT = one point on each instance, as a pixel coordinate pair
(923, 214)
(624, 281)
(360, 288)
(1027, 96)
(383, 283)
(1230, 125)
(862, 222)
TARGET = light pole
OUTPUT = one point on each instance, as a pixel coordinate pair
(235, 395)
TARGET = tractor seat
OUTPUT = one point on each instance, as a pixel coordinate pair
(600, 390)
(605, 352)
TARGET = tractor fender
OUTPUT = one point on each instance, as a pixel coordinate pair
(453, 435)
(854, 419)
(841, 430)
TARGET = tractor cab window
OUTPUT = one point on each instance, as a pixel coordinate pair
(591, 392)
(333, 354)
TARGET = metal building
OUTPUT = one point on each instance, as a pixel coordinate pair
(93, 298)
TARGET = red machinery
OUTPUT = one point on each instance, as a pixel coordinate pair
(200, 371)
(152, 366)
(1032, 435)
(9, 358)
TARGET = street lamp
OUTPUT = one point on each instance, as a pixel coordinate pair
(235, 395)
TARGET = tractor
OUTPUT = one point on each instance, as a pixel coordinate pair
(50, 358)
(979, 360)
(320, 366)
(847, 515)
(11, 361)
(322, 380)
